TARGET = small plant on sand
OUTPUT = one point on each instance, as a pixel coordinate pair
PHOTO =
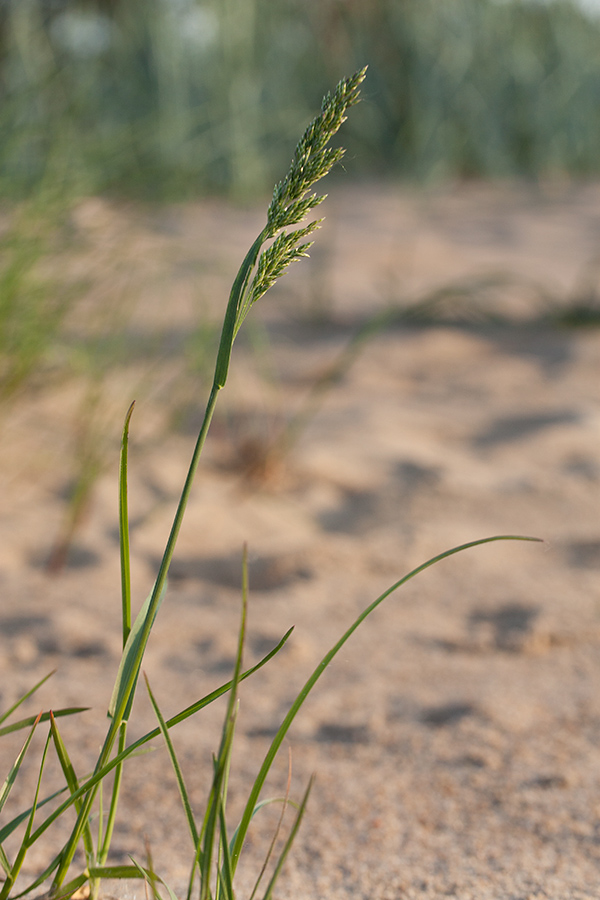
(283, 240)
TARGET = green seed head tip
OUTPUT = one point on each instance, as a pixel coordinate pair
(291, 203)
(313, 159)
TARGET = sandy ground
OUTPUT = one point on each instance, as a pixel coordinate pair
(456, 738)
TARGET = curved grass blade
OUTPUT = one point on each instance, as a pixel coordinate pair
(43, 717)
(67, 890)
(294, 709)
(4, 716)
(185, 797)
(14, 769)
(145, 874)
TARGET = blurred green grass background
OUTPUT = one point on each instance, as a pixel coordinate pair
(162, 100)
(176, 98)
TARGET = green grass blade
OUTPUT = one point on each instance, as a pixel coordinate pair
(73, 785)
(225, 874)
(129, 668)
(18, 820)
(14, 770)
(65, 892)
(277, 830)
(133, 871)
(26, 842)
(294, 709)
(185, 798)
(133, 653)
(5, 715)
(149, 876)
(43, 717)
(40, 879)
(262, 803)
(217, 801)
(143, 873)
(133, 748)
(230, 320)
(104, 842)
(124, 530)
(4, 861)
(210, 827)
(289, 842)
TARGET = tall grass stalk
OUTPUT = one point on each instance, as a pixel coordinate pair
(216, 852)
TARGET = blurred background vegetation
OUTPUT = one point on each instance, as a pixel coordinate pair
(174, 98)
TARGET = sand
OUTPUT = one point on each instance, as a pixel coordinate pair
(455, 739)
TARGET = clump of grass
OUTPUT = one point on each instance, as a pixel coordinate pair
(217, 850)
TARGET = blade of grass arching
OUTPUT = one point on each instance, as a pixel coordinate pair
(134, 748)
(298, 702)
(4, 716)
(152, 876)
(278, 829)
(149, 878)
(185, 797)
(14, 769)
(124, 530)
(73, 785)
(144, 874)
(26, 841)
(43, 717)
(288, 844)
(217, 800)
(67, 890)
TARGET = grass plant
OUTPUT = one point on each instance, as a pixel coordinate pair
(217, 849)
